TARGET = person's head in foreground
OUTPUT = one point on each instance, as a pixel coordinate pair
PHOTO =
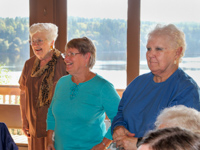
(170, 139)
(179, 116)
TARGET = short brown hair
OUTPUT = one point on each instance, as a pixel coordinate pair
(84, 45)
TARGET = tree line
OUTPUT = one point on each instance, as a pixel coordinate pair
(108, 35)
(14, 41)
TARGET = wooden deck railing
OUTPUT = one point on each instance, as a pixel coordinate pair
(9, 94)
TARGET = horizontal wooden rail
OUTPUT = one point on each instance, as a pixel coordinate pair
(9, 94)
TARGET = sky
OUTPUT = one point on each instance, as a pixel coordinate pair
(178, 10)
(13, 8)
(102, 8)
(151, 10)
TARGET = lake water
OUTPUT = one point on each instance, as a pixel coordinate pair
(115, 71)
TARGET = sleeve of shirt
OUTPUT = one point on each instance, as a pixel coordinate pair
(50, 117)
(188, 96)
(110, 101)
(22, 78)
(119, 119)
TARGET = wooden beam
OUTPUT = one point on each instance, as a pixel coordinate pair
(53, 11)
(133, 40)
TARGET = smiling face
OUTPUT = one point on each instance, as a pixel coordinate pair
(75, 64)
(40, 45)
(161, 56)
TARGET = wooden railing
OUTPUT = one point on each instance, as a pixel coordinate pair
(120, 92)
(9, 94)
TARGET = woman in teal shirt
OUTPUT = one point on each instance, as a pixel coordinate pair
(78, 107)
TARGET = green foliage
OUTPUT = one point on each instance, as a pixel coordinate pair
(108, 35)
(4, 45)
(14, 47)
(17, 41)
(4, 77)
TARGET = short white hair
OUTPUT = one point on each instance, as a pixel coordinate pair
(179, 116)
(50, 29)
(175, 35)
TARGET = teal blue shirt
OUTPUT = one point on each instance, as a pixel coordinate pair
(77, 112)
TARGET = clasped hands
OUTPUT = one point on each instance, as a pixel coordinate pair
(124, 138)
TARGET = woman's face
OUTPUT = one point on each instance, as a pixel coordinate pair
(160, 56)
(40, 45)
(75, 61)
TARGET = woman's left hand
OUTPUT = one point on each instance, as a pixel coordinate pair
(99, 146)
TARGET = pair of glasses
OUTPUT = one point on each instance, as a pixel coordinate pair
(69, 54)
(37, 42)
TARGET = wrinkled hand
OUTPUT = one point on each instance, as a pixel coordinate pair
(25, 129)
(50, 146)
(127, 142)
(120, 135)
(99, 146)
(121, 131)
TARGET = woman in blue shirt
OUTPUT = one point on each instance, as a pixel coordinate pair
(80, 100)
(166, 85)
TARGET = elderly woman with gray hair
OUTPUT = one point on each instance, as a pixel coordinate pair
(165, 86)
(170, 139)
(179, 116)
(37, 83)
(81, 99)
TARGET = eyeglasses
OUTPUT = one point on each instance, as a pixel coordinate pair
(69, 54)
(37, 42)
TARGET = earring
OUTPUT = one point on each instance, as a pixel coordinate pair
(51, 47)
(175, 62)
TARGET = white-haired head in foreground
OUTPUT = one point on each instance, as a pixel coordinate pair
(170, 139)
(179, 116)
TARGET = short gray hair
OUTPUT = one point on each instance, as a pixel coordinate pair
(50, 29)
(179, 116)
(175, 35)
(83, 45)
(171, 139)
